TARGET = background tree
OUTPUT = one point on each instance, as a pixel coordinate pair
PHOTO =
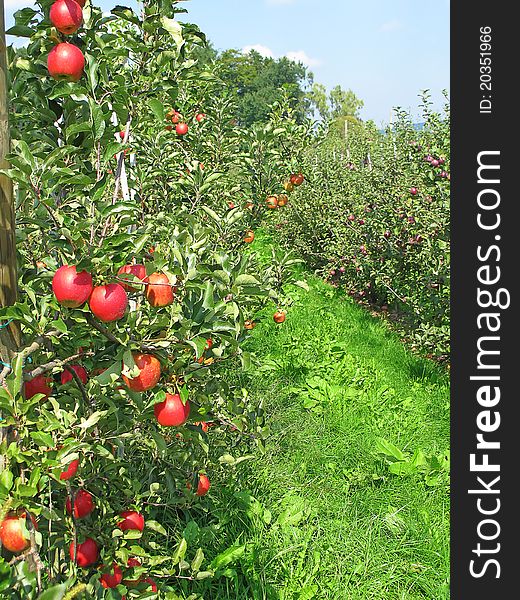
(259, 81)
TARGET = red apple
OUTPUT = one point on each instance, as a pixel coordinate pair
(87, 553)
(108, 302)
(131, 520)
(181, 128)
(159, 291)
(138, 271)
(72, 289)
(172, 412)
(296, 178)
(122, 134)
(12, 535)
(112, 580)
(66, 16)
(414, 191)
(200, 117)
(203, 485)
(66, 62)
(70, 471)
(80, 371)
(133, 562)
(279, 316)
(83, 504)
(41, 384)
(149, 373)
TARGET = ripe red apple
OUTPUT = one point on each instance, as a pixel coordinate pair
(80, 371)
(173, 115)
(133, 562)
(132, 583)
(414, 191)
(138, 271)
(181, 128)
(11, 531)
(70, 471)
(66, 62)
(66, 16)
(122, 134)
(131, 520)
(271, 202)
(41, 384)
(172, 412)
(108, 302)
(112, 579)
(87, 553)
(249, 324)
(200, 117)
(279, 316)
(83, 504)
(149, 373)
(72, 289)
(249, 237)
(282, 199)
(203, 485)
(159, 291)
(296, 179)
(351, 218)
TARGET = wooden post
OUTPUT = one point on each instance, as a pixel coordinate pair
(9, 333)
(346, 138)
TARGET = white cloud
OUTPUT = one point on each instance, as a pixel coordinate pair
(301, 56)
(392, 25)
(262, 50)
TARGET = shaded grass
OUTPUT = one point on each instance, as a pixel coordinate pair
(323, 516)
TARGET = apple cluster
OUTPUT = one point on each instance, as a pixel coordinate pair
(181, 127)
(66, 61)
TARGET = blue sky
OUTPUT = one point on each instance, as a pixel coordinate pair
(386, 51)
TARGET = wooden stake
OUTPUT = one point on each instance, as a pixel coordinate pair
(9, 333)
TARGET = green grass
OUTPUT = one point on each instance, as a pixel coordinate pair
(323, 515)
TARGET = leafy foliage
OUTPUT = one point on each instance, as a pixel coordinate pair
(102, 181)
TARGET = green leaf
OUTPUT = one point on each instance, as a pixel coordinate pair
(246, 280)
(42, 438)
(6, 481)
(97, 120)
(203, 575)
(180, 551)
(197, 561)
(388, 450)
(93, 419)
(157, 527)
(303, 284)
(174, 28)
(227, 557)
(56, 592)
(20, 31)
(157, 108)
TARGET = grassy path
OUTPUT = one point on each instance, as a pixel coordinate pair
(351, 499)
